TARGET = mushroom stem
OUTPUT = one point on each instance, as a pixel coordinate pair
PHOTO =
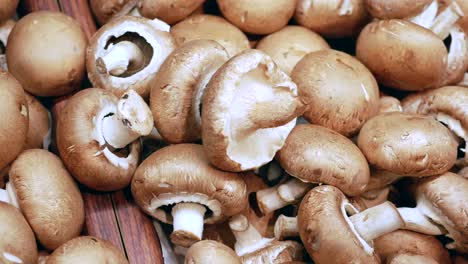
(345, 7)
(276, 197)
(416, 221)
(464, 82)
(444, 22)
(286, 226)
(457, 60)
(131, 120)
(160, 25)
(8, 195)
(119, 56)
(248, 239)
(188, 223)
(427, 16)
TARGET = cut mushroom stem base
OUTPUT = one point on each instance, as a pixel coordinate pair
(188, 223)
(248, 239)
(8, 195)
(283, 194)
(286, 226)
(120, 56)
(444, 22)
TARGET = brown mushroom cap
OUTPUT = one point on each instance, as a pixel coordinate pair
(18, 239)
(8, 9)
(83, 148)
(327, 232)
(87, 249)
(332, 18)
(56, 215)
(178, 88)
(410, 259)
(259, 16)
(408, 145)
(169, 11)
(463, 21)
(105, 10)
(39, 124)
(389, 104)
(287, 54)
(46, 53)
(209, 251)
(213, 28)
(348, 97)
(384, 9)
(275, 252)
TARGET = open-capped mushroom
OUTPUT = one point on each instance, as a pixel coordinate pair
(46, 53)
(105, 10)
(383, 9)
(97, 136)
(287, 54)
(209, 251)
(177, 185)
(40, 124)
(18, 244)
(213, 28)
(169, 11)
(5, 29)
(348, 97)
(249, 108)
(87, 249)
(177, 90)
(126, 53)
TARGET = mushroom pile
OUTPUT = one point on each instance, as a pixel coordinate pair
(254, 131)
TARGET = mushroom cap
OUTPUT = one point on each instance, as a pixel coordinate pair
(14, 118)
(275, 252)
(87, 249)
(410, 259)
(389, 104)
(463, 21)
(287, 54)
(211, 27)
(393, 52)
(459, 259)
(326, 231)
(17, 237)
(83, 148)
(55, 215)
(408, 145)
(46, 53)
(209, 251)
(39, 123)
(155, 44)
(235, 90)
(413, 243)
(182, 173)
(259, 16)
(105, 10)
(169, 11)
(384, 9)
(178, 88)
(332, 18)
(319, 155)
(348, 97)
(8, 9)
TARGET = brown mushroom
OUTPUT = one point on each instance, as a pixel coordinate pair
(42, 257)
(389, 104)
(370, 198)
(105, 10)
(209, 251)
(383, 9)
(40, 124)
(8, 9)
(348, 97)
(169, 11)
(286, 226)
(410, 259)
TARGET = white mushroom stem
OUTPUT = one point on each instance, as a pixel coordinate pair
(276, 197)
(345, 7)
(273, 113)
(248, 239)
(444, 22)
(160, 25)
(133, 118)
(427, 16)
(457, 60)
(286, 226)
(8, 195)
(188, 219)
(119, 56)
(416, 221)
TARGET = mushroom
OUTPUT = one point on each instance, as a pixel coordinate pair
(464, 172)
(249, 108)
(459, 259)
(389, 104)
(287, 54)
(313, 154)
(348, 97)
(370, 198)
(42, 257)
(55, 215)
(213, 28)
(410, 259)
(18, 244)
(40, 124)
(8, 9)
(97, 137)
(5, 29)
(332, 18)
(259, 16)
(178, 88)
(105, 10)
(209, 251)
(169, 11)
(177, 185)
(286, 226)
(87, 249)
(383, 9)
(31, 44)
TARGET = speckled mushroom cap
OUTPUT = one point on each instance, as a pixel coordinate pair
(249, 108)
(287, 54)
(87, 249)
(209, 251)
(18, 241)
(55, 215)
(8, 9)
(82, 145)
(326, 231)
(348, 97)
(410, 259)
(39, 124)
(169, 11)
(409, 242)
(213, 28)
(444, 199)
(182, 173)
(383, 9)
(408, 145)
(105, 10)
(275, 252)
(332, 18)
(155, 45)
(177, 90)
(317, 154)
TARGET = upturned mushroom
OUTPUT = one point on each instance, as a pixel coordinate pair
(177, 185)
(177, 90)
(169, 11)
(97, 137)
(126, 53)
(249, 108)
(209, 251)
(105, 10)
(87, 249)
(348, 97)
(40, 124)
